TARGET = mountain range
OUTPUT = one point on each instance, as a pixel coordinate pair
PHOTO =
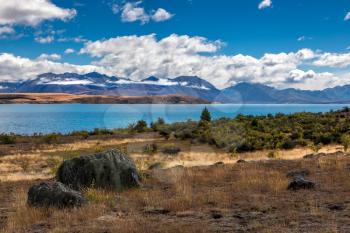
(99, 84)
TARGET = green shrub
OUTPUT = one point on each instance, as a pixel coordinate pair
(273, 154)
(7, 139)
(171, 150)
(50, 138)
(84, 134)
(345, 140)
(101, 132)
(150, 148)
(141, 126)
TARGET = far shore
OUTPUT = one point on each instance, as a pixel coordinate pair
(64, 98)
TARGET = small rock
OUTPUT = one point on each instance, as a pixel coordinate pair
(155, 166)
(298, 173)
(241, 161)
(301, 183)
(171, 150)
(216, 215)
(314, 155)
(152, 210)
(336, 207)
(54, 194)
(218, 164)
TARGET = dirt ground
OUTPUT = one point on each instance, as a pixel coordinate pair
(194, 197)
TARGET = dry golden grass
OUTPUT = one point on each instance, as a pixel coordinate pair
(250, 197)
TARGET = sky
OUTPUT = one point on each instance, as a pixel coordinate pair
(302, 44)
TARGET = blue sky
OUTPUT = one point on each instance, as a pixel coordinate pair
(216, 32)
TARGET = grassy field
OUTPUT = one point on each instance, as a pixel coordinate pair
(197, 196)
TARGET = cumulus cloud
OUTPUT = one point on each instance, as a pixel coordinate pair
(6, 30)
(31, 12)
(161, 15)
(132, 12)
(137, 57)
(15, 68)
(347, 16)
(69, 51)
(52, 57)
(333, 60)
(45, 40)
(265, 4)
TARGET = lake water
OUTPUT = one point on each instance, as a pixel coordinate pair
(63, 118)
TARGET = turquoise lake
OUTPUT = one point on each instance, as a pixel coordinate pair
(63, 118)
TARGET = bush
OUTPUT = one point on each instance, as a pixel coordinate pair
(7, 139)
(150, 148)
(345, 140)
(171, 150)
(156, 125)
(50, 138)
(273, 154)
(141, 126)
(102, 132)
(84, 134)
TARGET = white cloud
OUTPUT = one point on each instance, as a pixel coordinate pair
(15, 68)
(31, 12)
(6, 30)
(69, 51)
(161, 15)
(347, 16)
(333, 60)
(115, 8)
(132, 12)
(304, 38)
(52, 57)
(45, 40)
(265, 4)
(78, 39)
(137, 57)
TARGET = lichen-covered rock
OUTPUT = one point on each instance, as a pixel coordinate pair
(54, 194)
(111, 169)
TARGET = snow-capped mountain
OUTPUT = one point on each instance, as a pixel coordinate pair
(98, 84)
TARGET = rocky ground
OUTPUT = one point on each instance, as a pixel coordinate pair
(244, 196)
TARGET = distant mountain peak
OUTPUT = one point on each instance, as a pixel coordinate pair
(151, 79)
(100, 84)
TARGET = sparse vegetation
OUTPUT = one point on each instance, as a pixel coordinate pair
(7, 139)
(345, 140)
(150, 148)
(140, 126)
(50, 138)
(252, 133)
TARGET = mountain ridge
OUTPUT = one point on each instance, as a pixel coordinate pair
(192, 86)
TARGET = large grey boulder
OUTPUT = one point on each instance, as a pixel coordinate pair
(54, 194)
(111, 169)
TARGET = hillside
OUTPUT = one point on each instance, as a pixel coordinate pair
(50, 98)
(196, 87)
